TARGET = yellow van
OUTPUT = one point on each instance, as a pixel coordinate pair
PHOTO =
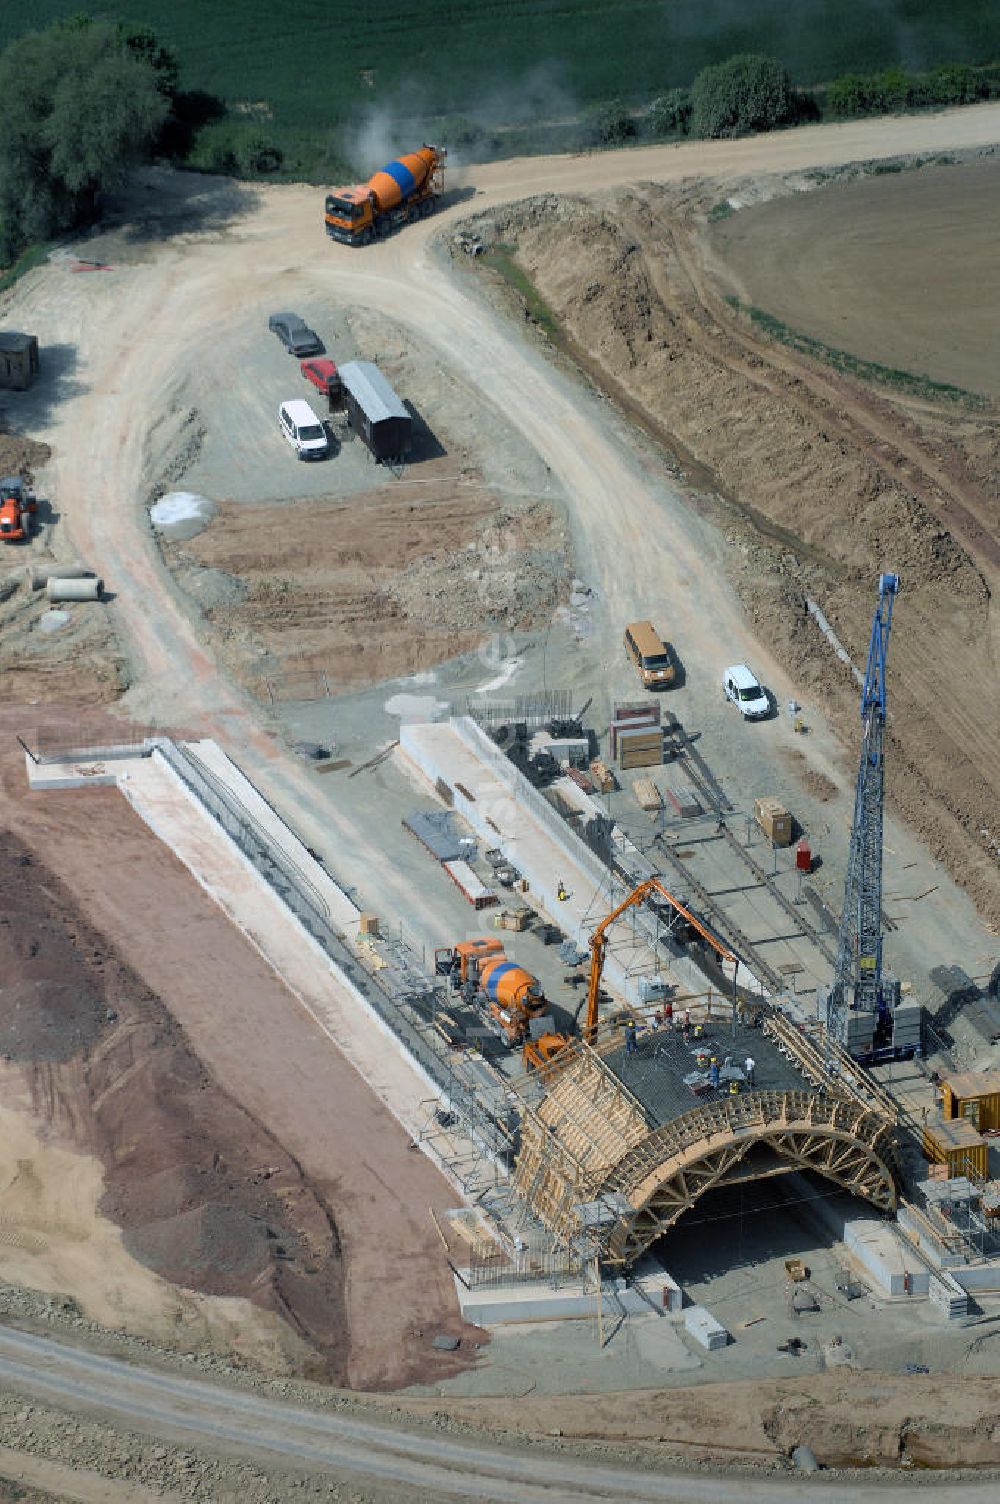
(651, 655)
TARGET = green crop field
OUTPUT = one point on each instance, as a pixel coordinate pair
(312, 69)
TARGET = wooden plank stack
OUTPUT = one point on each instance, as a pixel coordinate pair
(603, 778)
(647, 795)
(636, 737)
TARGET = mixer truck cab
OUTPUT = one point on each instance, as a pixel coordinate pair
(406, 188)
(460, 963)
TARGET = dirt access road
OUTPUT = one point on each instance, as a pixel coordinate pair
(194, 1413)
(134, 327)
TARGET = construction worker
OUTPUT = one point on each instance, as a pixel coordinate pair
(713, 1074)
(749, 1066)
(630, 1042)
(561, 892)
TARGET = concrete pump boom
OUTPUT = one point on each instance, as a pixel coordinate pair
(599, 943)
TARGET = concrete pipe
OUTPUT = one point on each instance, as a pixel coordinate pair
(42, 573)
(64, 589)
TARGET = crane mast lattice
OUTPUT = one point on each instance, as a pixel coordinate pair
(857, 985)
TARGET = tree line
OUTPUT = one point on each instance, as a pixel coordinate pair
(750, 92)
(83, 100)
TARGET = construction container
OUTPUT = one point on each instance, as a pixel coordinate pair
(959, 1146)
(368, 925)
(618, 728)
(974, 1096)
(774, 820)
(18, 360)
(379, 418)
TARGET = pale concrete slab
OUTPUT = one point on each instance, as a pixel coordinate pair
(482, 793)
(161, 799)
(343, 913)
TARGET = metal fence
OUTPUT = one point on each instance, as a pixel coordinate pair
(300, 684)
(54, 744)
(533, 711)
(561, 1267)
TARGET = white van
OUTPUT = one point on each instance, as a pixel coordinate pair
(303, 430)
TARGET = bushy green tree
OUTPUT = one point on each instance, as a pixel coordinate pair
(77, 107)
(748, 92)
(894, 89)
(847, 96)
(670, 114)
(612, 125)
(144, 44)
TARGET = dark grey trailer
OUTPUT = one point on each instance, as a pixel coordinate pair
(374, 411)
(18, 360)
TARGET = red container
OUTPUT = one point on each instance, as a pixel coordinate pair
(803, 856)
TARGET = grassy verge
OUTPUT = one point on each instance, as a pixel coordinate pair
(33, 256)
(501, 259)
(910, 383)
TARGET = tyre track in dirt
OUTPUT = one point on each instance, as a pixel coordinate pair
(188, 290)
(956, 501)
(828, 401)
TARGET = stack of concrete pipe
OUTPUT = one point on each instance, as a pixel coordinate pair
(67, 582)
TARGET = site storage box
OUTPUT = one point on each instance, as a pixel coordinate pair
(959, 1146)
(774, 820)
(646, 713)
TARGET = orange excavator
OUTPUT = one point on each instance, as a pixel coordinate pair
(17, 507)
(542, 1053)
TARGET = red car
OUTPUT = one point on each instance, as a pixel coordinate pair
(324, 376)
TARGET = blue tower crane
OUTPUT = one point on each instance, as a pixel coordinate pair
(858, 1014)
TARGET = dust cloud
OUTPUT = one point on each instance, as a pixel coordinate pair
(540, 96)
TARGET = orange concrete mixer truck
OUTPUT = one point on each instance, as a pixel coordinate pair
(407, 188)
(509, 998)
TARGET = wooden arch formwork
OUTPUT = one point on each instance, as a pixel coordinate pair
(607, 1184)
